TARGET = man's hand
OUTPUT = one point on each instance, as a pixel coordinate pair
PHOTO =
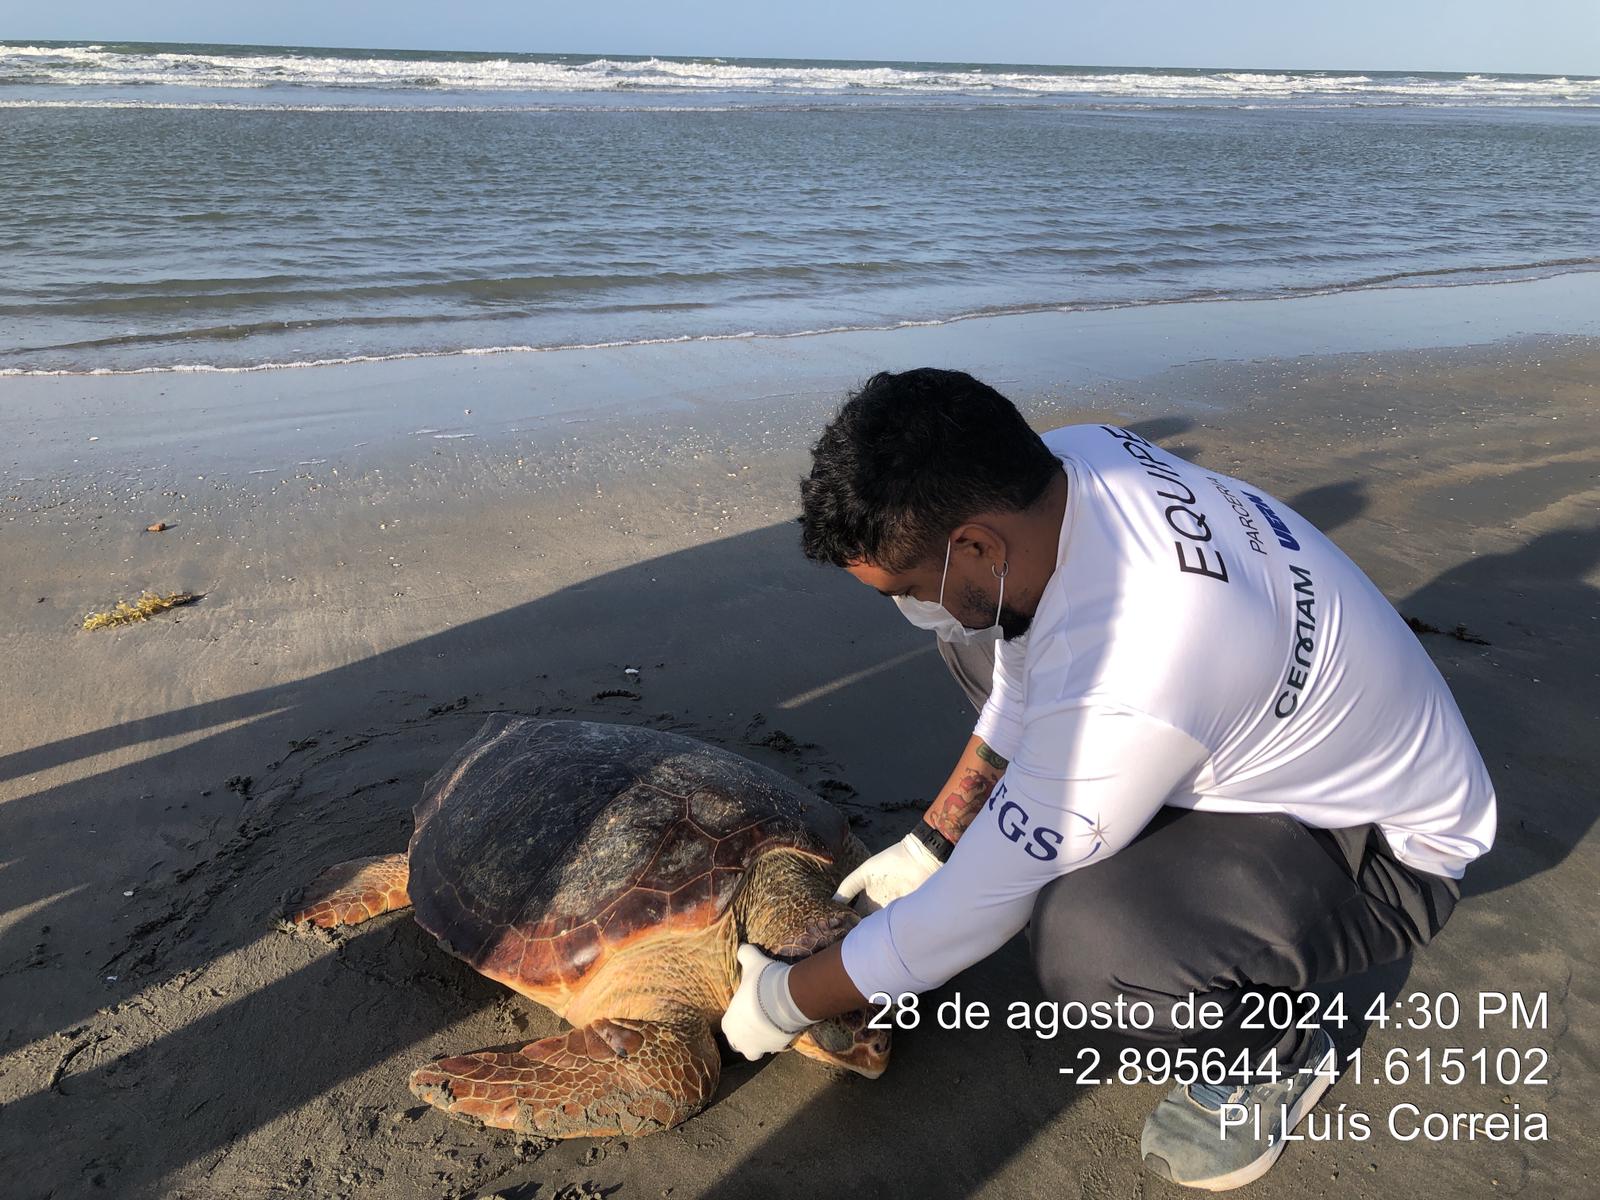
(888, 875)
(762, 1017)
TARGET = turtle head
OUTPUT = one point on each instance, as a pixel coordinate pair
(848, 1041)
(787, 908)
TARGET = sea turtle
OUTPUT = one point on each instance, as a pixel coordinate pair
(609, 873)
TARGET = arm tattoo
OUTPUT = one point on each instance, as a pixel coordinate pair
(990, 757)
(952, 813)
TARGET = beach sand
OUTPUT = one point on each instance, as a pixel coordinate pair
(365, 605)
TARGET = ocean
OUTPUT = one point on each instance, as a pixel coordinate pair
(180, 207)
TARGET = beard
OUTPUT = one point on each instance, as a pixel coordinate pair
(1012, 623)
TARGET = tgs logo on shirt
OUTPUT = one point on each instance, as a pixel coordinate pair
(1040, 841)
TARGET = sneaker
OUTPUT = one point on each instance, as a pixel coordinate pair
(1222, 1136)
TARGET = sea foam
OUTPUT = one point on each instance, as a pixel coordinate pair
(102, 66)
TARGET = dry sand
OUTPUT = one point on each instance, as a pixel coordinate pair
(164, 784)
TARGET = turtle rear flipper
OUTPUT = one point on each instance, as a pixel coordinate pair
(352, 892)
(607, 1077)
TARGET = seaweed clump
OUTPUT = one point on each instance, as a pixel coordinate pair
(146, 606)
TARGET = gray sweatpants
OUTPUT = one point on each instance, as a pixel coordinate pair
(1221, 905)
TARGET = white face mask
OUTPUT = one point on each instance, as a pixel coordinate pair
(926, 614)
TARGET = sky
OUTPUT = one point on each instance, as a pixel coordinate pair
(1533, 36)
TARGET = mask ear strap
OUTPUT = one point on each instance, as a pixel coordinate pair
(946, 574)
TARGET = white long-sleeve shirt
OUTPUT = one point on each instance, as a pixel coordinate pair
(1201, 645)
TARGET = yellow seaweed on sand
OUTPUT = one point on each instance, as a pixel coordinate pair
(142, 609)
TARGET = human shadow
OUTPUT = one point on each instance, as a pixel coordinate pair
(1517, 643)
(1331, 505)
(1327, 506)
(1159, 429)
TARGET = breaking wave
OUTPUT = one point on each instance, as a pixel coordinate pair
(105, 65)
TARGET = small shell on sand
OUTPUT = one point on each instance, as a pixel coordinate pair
(157, 527)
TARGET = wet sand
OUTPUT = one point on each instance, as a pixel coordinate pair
(164, 784)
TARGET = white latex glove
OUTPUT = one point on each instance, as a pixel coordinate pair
(762, 1017)
(888, 875)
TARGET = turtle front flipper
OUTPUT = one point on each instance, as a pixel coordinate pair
(352, 892)
(607, 1077)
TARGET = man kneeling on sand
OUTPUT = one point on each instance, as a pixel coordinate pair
(1211, 763)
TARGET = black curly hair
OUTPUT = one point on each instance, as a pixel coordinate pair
(908, 458)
